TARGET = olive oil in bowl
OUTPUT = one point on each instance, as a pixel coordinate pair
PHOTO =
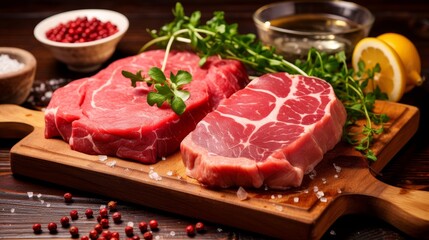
(325, 32)
(329, 26)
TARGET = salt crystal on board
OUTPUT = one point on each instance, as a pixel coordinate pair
(296, 199)
(323, 199)
(279, 208)
(102, 158)
(337, 168)
(154, 175)
(130, 224)
(315, 188)
(30, 194)
(39, 195)
(324, 181)
(241, 194)
(170, 173)
(172, 233)
(111, 163)
(12, 210)
(320, 194)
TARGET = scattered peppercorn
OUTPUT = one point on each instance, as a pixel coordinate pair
(37, 228)
(199, 227)
(98, 228)
(89, 213)
(190, 230)
(147, 235)
(112, 205)
(135, 237)
(68, 197)
(104, 223)
(93, 234)
(115, 235)
(104, 212)
(106, 234)
(65, 221)
(129, 231)
(153, 224)
(74, 231)
(117, 217)
(81, 29)
(74, 214)
(52, 227)
(143, 226)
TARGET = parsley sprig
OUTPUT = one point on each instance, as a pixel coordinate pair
(349, 87)
(169, 90)
(217, 37)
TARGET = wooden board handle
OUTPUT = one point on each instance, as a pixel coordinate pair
(406, 209)
(17, 122)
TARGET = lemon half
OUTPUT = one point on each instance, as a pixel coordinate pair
(409, 57)
(392, 78)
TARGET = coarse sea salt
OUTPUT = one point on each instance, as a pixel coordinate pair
(242, 194)
(30, 194)
(296, 199)
(111, 163)
(8, 64)
(320, 194)
(154, 175)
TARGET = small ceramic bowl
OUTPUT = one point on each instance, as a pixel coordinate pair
(293, 27)
(16, 82)
(83, 56)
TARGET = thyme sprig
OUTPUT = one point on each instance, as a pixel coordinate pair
(217, 37)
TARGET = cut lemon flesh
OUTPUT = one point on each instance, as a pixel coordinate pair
(408, 54)
(391, 79)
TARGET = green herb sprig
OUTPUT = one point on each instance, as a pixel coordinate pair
(349, 87)
(217, 37)
(168, 90)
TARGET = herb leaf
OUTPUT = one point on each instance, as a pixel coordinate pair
(167, 90)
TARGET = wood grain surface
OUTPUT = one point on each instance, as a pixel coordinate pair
(353, 189)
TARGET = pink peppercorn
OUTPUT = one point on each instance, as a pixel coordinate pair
(37, 228)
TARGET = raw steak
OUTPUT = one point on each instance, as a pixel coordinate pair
(104, 114)
(270, 133)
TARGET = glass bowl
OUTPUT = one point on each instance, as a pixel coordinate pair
(329, 26)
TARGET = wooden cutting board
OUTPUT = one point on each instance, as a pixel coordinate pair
(343, 177)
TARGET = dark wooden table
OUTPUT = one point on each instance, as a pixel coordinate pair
(409, 168)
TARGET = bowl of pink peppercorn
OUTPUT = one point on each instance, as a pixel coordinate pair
(82, 39)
